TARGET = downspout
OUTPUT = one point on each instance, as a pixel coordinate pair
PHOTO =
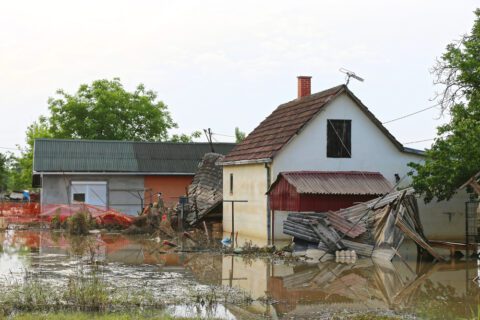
(41, 192)
(269, 180)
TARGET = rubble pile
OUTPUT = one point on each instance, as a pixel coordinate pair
(375, 228)
(205, 194)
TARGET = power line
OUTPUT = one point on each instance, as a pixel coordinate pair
(223, 135)
(411, 142)
(411, 114)
(7, 148)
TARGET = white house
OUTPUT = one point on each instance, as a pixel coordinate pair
(331, 130)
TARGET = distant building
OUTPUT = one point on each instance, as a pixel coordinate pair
(116, 174)
(329, 131)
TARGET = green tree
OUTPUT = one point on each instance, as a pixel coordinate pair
(100, 110)
(105, 110)
(185, 138)
(455, 154)
(4, 170)
(21, 167)
(239, 135)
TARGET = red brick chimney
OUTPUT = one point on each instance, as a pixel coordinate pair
(304, 86)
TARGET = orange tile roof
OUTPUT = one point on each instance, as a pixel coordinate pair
(287, 120)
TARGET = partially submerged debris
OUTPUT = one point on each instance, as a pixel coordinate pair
(205, 194)
(375, 228)
(58, 215)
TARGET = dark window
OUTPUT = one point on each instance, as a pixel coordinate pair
(231, 182)
(339, 138)
(79, 197)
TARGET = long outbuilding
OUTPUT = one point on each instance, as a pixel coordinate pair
(122, 175)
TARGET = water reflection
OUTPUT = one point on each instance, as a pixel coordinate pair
(440, 291)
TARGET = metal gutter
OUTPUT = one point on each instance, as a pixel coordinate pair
(414, 151)
(240, 162)
(116, 173)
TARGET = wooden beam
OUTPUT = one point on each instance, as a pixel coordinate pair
(418, 239)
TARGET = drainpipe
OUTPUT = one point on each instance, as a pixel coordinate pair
(41, 192)
(269, 180)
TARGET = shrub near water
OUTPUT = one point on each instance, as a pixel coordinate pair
(79, 223)
(85, 292)
(56, 222)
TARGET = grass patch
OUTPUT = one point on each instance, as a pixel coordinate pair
(97, 316)
(83, 292)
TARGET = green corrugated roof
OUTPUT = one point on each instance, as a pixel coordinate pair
(54, 155)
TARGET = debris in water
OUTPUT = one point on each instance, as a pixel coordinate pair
(373, 229)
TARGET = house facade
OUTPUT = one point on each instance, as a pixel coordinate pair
(122, 175)
(327, 131)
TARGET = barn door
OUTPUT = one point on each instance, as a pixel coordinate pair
(89, 192)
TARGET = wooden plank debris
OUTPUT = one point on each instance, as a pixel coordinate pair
(418, 240)
(375, 228)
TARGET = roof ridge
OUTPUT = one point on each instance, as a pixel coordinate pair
(314, 96)
(128, 141)
(351, 172)
(270, 127)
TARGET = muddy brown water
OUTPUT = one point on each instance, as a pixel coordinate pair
(279, 289)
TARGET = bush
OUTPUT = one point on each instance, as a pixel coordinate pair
(56, 222)
(79, 223)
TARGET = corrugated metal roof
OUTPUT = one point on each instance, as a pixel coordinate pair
(55, 155)
(336, 182)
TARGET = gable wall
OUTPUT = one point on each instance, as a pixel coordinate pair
(371, 149)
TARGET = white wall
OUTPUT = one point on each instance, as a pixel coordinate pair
(371, 149)
(249, 183)
(444, 220)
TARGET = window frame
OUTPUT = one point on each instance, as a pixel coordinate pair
(339, 150)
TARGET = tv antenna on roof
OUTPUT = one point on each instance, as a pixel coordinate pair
(350, 74)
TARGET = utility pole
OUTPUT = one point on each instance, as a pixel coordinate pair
(208, 134)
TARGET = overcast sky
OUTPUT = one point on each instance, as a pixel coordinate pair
(222, 64)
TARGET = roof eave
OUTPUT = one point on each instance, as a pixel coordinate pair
(242, 162)
(113, 173)
(414, 151)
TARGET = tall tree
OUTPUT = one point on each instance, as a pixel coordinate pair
(100, 110)
(455, 153)
(105, 110)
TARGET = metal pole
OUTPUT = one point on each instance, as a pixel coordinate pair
(233, 223)
(273, 227)
(466, 229)
(180, 220)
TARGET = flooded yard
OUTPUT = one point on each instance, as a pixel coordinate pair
(216, 285)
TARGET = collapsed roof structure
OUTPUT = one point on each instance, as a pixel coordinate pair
(374, 229)
(205, 194)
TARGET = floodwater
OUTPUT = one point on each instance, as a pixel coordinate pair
(279, 289)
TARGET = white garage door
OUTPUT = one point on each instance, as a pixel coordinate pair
(89, 192)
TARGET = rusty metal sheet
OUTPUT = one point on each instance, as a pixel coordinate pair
(338, 182)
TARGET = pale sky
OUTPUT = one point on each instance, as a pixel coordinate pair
(222, 64)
